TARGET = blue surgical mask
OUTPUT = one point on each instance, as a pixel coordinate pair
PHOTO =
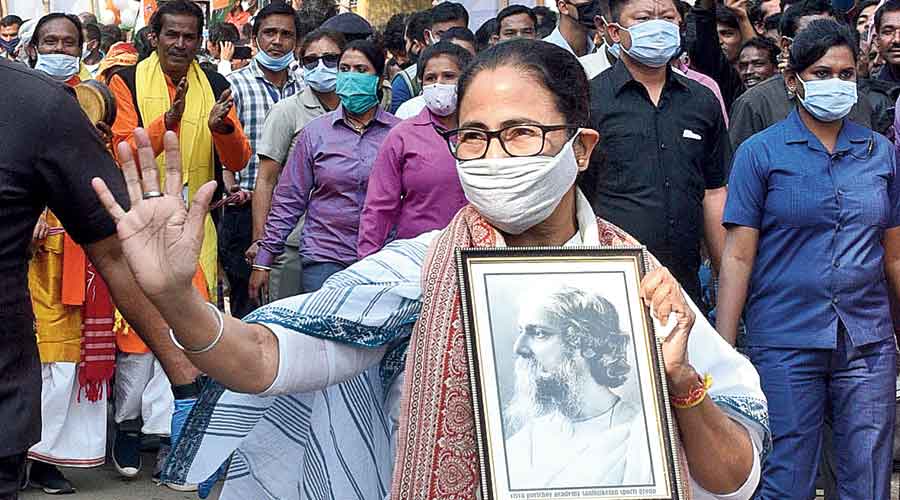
(654, 43)
(828, 100)
(273, 63)
(321, 78)
(59, 66)
(615, 50)
(358, 91)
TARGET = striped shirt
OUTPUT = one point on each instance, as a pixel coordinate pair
(253, 97)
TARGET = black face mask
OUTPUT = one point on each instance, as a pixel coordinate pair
(586, 13)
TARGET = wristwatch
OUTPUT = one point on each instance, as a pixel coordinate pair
(187, 391)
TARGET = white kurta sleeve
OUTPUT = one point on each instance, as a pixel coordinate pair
(224, 68)
(307, 364)
(746, 491)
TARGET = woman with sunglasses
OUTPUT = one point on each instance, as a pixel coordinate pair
(414, 186)
(328, 362)
(327, 174)
(319, 55)
(811, 260)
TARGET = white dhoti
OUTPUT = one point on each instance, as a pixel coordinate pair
(73, 431)
(143, 390)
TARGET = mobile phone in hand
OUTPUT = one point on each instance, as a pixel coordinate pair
(242, 52)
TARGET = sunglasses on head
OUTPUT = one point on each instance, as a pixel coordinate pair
(330, 60)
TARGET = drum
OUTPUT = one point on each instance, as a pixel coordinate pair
(97, 101)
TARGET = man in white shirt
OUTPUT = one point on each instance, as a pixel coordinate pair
(605, 55)
(220, 46)
(576, 26)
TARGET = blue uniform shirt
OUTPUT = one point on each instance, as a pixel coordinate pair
(821, 219)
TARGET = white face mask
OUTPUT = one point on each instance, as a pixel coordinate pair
(59, 66)
(516, 194)
(440, 98)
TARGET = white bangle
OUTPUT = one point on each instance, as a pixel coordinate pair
(219, 319)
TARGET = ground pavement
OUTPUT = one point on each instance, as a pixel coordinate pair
(105, 484)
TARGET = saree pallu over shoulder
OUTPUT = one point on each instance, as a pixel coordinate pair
(408, 292)
(329, 442)
(437, 451)
(437, 456)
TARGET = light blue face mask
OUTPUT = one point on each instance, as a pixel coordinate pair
(828, 100)
(615, 50)
(59, 66)
(358, 91)
(273, 63)
(654, 43)
(321, 78)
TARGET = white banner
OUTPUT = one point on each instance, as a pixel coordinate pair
(482, 10)
(28, 9)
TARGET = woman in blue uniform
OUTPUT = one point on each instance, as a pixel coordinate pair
(813, 251)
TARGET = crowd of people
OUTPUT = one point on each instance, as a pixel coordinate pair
(248, 261)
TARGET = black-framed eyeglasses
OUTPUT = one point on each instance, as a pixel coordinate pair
(469, 143)
(330, 60)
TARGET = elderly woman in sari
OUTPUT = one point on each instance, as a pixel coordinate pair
(324, 366)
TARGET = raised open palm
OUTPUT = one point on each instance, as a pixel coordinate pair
(160, 238)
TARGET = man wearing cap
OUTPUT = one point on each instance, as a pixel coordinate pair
(351, 25)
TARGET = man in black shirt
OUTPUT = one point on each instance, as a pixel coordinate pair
(50, 154)
(659, 169)
(706, 54)
(887, 27)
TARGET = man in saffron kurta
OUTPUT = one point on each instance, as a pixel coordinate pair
(169, 91)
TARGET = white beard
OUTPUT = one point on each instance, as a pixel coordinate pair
(538, 394)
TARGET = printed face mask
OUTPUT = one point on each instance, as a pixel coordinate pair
(440, 98)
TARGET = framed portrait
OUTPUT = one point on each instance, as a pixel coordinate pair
(567, 377)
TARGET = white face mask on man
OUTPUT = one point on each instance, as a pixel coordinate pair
(517, 193)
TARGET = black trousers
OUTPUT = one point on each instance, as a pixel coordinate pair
(11, 470)
(235, 235)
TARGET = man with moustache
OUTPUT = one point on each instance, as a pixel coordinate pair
(570, 429)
